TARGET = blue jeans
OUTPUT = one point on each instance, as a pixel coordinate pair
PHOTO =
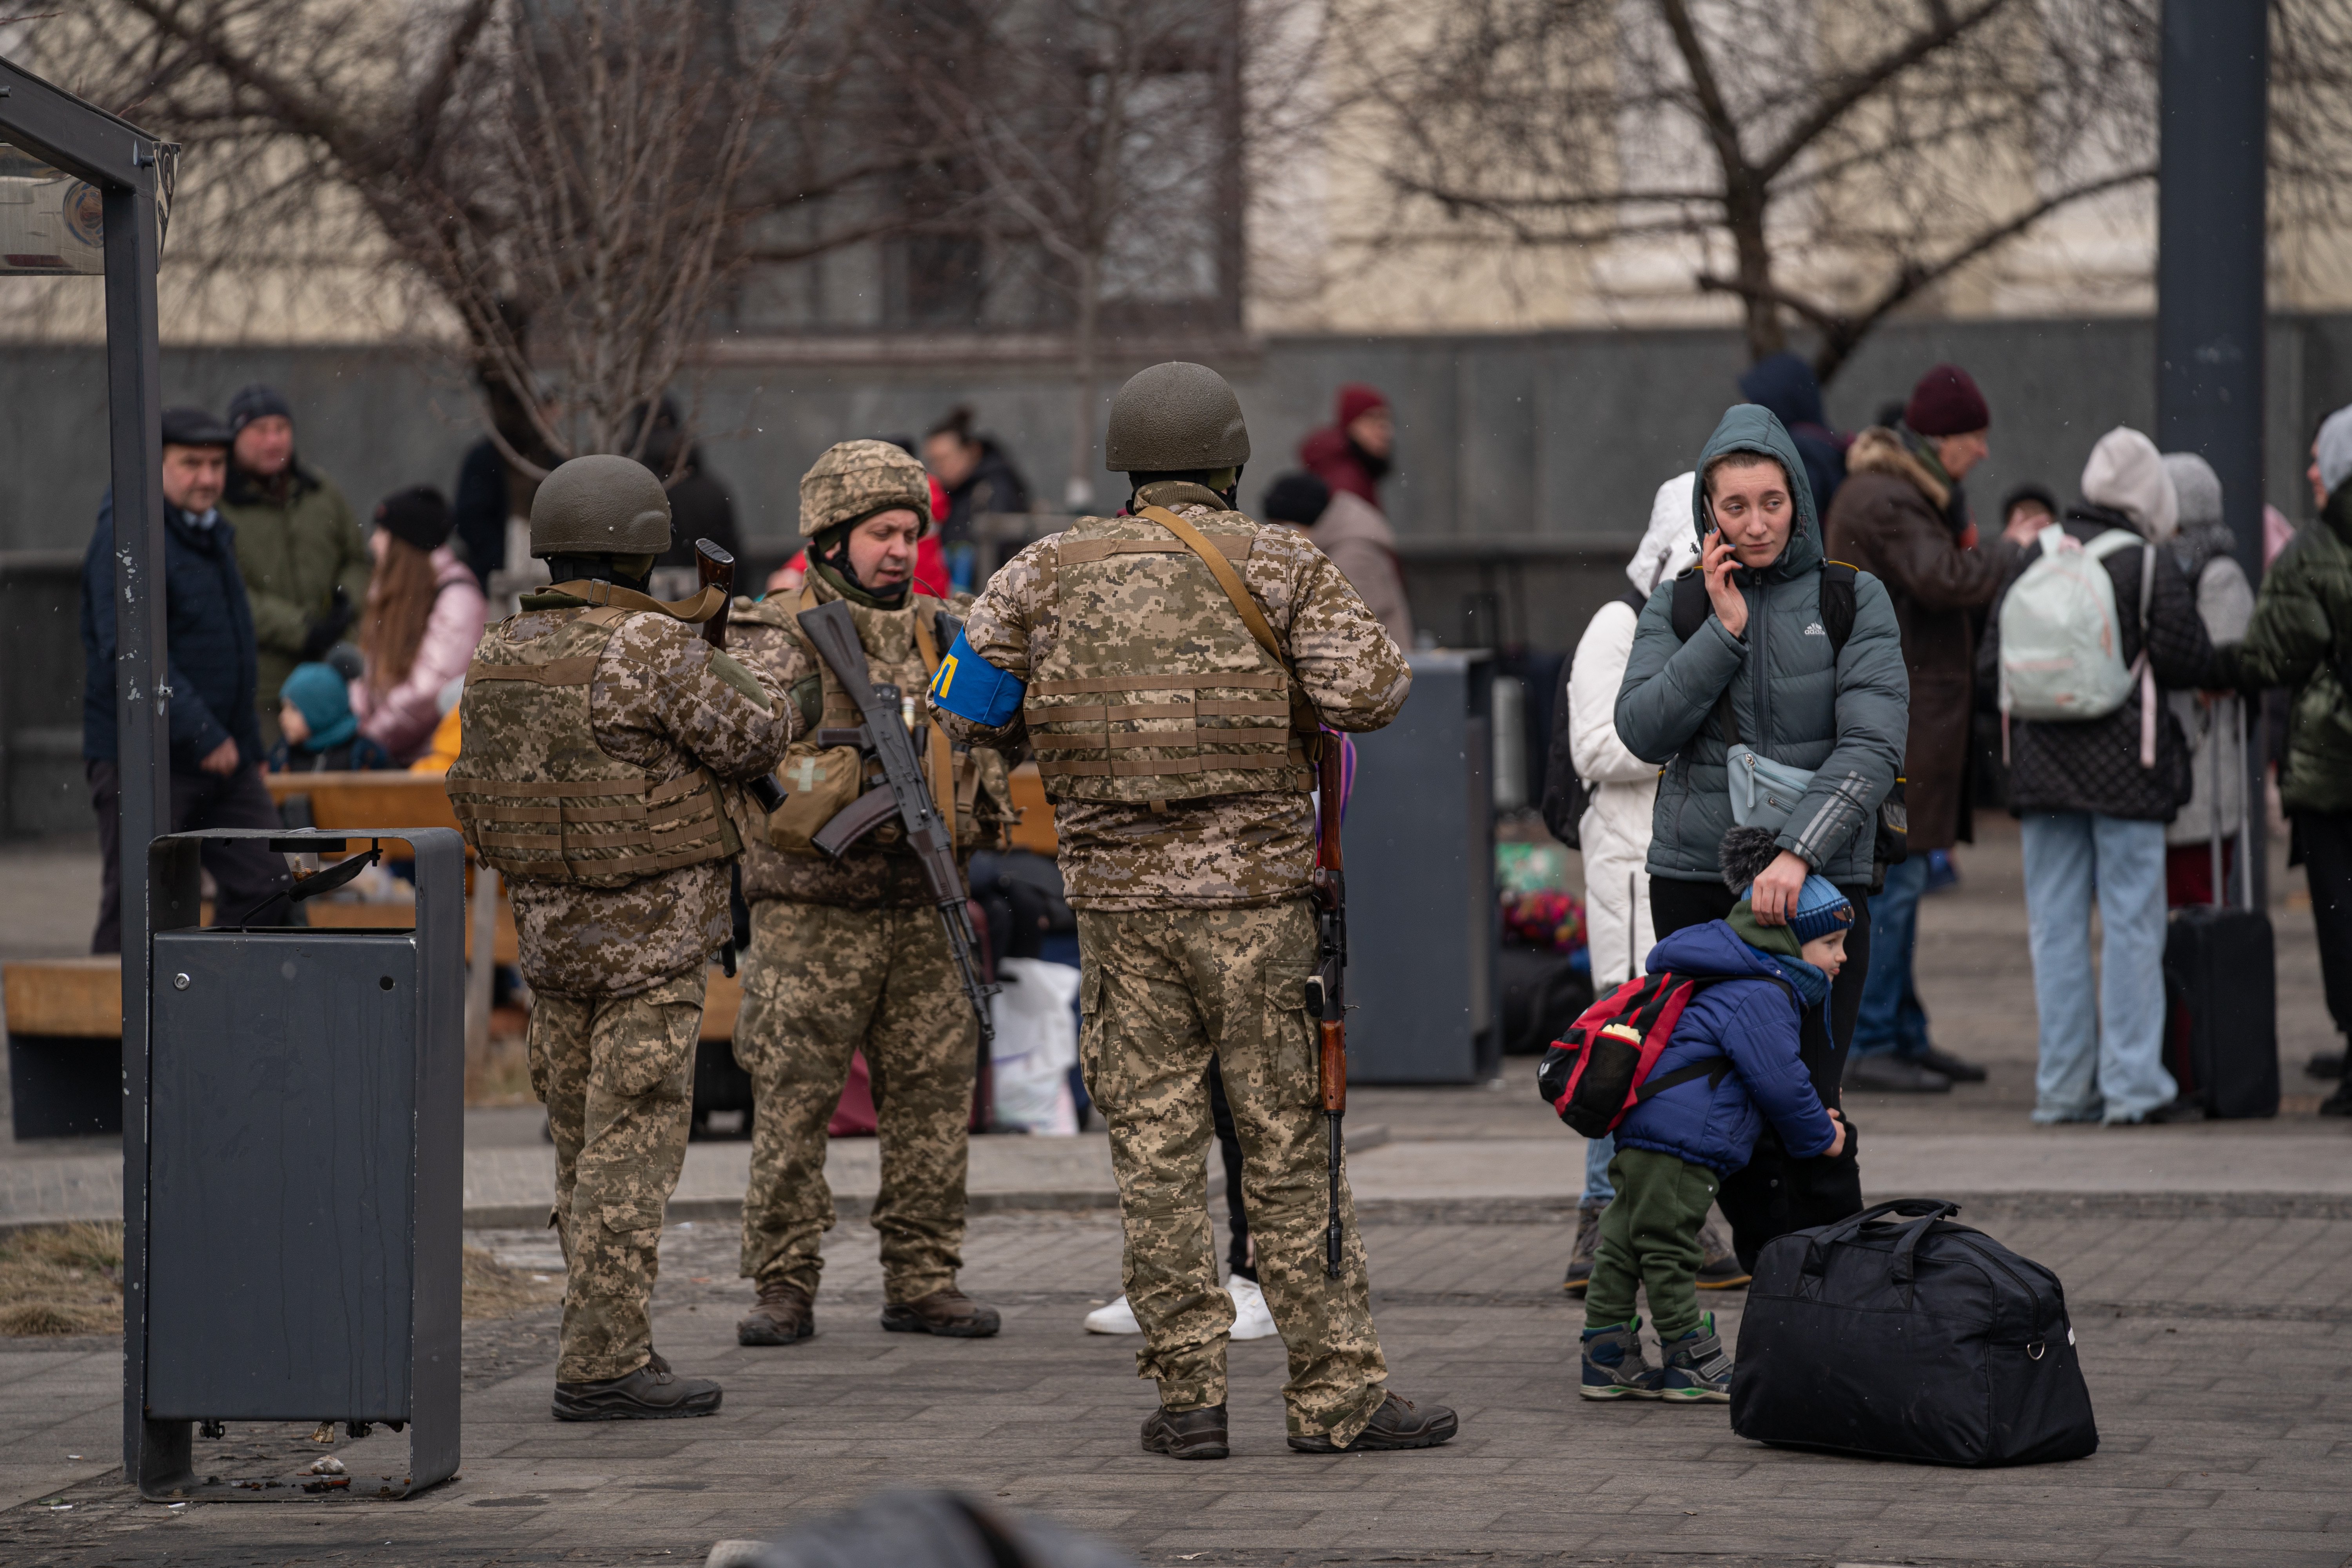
(1597, 1152)
(2107, 1063)
(1892, 1021)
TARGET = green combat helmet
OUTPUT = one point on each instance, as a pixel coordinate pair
(854, 480)
(1175, 419)
(600, 505)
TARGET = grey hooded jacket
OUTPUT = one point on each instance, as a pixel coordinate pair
(1844, 716)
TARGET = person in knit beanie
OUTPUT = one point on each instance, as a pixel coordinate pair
(1731, 1065)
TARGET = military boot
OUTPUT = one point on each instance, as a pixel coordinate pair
(783, 1315)
(652, 1393)
(1187, 1434)
(950, 1313)
(1399, 1422)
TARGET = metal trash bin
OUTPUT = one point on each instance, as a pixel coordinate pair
(301, 1206)
(1423, 924)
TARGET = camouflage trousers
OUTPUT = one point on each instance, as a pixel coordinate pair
(819, 983)
(616, 1075)
(1163, 991)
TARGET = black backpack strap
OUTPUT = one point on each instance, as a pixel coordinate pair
(1837, 604)
(1692, 605)
(1633, 599)
(1711, 1068)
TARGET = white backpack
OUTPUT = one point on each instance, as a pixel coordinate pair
(2062, 644)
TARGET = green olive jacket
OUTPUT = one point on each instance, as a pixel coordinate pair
(294, 552)
(2301, 637)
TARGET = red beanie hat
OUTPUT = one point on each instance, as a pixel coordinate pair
(1946, 402)
(1355, 400)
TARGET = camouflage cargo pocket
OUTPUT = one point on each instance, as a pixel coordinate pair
(1289, 1038)
(653, 1054)
(1094, 1030)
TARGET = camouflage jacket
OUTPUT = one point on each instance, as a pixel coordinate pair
(879, 871)
(663, 701)
(1244, 848)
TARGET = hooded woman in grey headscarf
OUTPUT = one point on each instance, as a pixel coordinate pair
(2225, 603)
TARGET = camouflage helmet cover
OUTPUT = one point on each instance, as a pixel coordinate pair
(1172, 419)
(857, 479)
(600, 505)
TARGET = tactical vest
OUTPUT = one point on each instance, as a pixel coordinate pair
(1155, 690)
(538, 797)
(902, 649)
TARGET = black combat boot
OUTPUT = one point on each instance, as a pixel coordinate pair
(652, 1393)
(1399, 1422)
(1187, 1434)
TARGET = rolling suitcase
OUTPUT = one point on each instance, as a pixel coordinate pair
(1899, 1334)
(2221, 1004)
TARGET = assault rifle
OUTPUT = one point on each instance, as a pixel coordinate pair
(902, 794)
(715, 567)
(1326, 989)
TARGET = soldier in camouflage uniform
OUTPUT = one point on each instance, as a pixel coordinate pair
(1175, 749)
(848, 955)
(603, 740)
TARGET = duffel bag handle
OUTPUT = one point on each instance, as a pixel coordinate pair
(1929, 1210)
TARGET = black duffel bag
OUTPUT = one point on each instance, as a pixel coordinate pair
(1917, 1339)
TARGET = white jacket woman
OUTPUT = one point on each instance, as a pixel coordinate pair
(1615, 829)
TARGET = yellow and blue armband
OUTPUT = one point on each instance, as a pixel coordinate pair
(969, 687)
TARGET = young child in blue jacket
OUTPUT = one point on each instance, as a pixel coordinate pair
(1674, 1148)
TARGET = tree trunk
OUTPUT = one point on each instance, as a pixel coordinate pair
(1743, 210)
(1079, 493)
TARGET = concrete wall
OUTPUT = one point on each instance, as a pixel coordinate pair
(1562, 436)
(1525, 467)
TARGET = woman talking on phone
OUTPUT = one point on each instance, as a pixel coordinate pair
(1769, 686)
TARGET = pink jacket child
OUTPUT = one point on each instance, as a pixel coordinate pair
(425, 614)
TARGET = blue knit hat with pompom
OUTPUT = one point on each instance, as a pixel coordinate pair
(1821, 908)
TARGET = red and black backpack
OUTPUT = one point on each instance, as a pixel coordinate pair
(1601, 1068)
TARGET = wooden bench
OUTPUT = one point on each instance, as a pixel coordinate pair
(65, 1046)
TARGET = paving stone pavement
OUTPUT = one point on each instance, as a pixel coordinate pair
(2214, 1346)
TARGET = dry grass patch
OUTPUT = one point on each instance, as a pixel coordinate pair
(495, 1290)
(62, 1279)
(68, 1280)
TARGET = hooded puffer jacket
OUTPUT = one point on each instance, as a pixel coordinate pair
(1846, 716)
(1754, 1023)
(2302, 638)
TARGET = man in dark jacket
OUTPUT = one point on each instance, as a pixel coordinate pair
(216, 751)
(2301, 637)
(1762, 669)
(298, 546)
(1786, 384)
(975, 471)
(2094, 798)
(1893, 520)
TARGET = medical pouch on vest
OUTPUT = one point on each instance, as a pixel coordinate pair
(1601, 1068)
(534, 793)
(818, 781)
(1155, 688)
(2061, 635)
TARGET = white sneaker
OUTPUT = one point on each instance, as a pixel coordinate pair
(1250, 1320)
(1118, 1318)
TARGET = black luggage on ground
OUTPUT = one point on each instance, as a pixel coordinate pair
(1912, 1339)
(2220, 1025)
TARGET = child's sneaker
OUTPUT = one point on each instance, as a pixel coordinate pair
(1615, 1366)
(1696, 1368)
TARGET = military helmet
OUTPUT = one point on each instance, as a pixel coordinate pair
(1172, 419)
(857, 479)
(600, 505)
